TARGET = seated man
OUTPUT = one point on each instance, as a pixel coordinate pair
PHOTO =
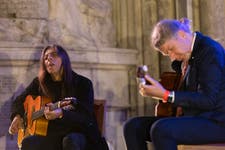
(202, 94)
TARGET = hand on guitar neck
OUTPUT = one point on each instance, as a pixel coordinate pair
(154, 90)
(51, 113)
(148, 86)
(142, 71)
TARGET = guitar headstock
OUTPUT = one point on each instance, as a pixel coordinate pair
(70, 98)
(73, 100)
(67, 101)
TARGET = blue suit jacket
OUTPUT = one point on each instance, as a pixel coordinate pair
(204, 89)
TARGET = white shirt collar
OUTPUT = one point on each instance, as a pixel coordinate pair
(193, 41)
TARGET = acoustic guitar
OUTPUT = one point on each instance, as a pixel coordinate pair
(170, 81)
(34, 122)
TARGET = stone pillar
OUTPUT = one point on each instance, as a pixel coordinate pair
(150, 56)
(212, 19)
(166, 10)
(131, 23)
(194, 6)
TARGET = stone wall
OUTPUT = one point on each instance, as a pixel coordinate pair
(85, 29)
(81, 22)
(24, 9)
(106, 40)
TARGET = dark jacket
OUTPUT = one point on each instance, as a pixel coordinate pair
(205, 84)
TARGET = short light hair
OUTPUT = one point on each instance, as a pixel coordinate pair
(166, 29)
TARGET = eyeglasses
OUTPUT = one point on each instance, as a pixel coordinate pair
(52, 55)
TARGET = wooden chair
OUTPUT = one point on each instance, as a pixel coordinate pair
(99, 110)
(220, 146)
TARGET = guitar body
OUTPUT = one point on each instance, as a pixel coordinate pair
(39, 126)
(34, 122)
(33, 127)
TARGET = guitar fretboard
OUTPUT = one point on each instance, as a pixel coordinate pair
(40, 113)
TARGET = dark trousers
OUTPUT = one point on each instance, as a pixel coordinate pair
(73, 141)
(167, 133)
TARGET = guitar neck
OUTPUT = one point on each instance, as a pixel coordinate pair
(40, 113)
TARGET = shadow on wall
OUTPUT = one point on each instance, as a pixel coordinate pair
(9, 90)
(5, 111)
